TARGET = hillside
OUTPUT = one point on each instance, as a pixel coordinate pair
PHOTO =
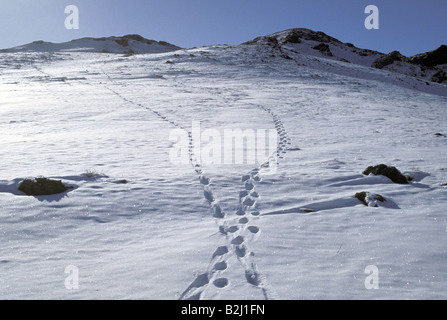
(226, 172)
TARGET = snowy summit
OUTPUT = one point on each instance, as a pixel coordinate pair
(430, 66)
(131, 43)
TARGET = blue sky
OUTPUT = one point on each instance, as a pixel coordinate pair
(409, 26)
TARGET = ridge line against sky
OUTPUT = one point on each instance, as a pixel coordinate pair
(408, 26)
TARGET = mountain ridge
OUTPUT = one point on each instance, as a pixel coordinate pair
(431, 65)
(127, 44)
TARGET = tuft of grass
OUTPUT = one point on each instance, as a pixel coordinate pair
(42, 187)
(93, 174)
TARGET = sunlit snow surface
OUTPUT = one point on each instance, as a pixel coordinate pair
(219, 231)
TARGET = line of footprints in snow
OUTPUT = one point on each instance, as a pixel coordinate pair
(238, 230)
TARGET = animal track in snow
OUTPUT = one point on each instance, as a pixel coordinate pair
(220, 266)
(243, 220)
(238, 240)
(218, 213)
(240, 212)
(253, 229)
(239, 232)
(204, 180)
(227, 230)
(209, 195)
(221, 282)
(241, 251)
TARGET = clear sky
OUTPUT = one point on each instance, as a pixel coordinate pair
(409, 26)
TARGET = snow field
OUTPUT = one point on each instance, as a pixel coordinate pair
(204, 231)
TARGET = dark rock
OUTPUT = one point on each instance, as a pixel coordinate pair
(296, 36)
(273, 41)
(162, 43)
(137, 37)
(324, 49)
(42, 187)
(122, 42)
(364, 53)
(388, 59)
(251, 42)
(362, 197)
(391, 172)
(439, 77)
(314, 35)
(431, 58)
(292, 37)
(268, 40)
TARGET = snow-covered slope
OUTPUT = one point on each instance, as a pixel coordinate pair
(286, 224)
(126, 44)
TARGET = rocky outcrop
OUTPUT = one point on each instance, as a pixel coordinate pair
(439, 77)
(432, 58)
(390, 172)
(388, 59)
(42, 187)
(295, 36)
(324, 49)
